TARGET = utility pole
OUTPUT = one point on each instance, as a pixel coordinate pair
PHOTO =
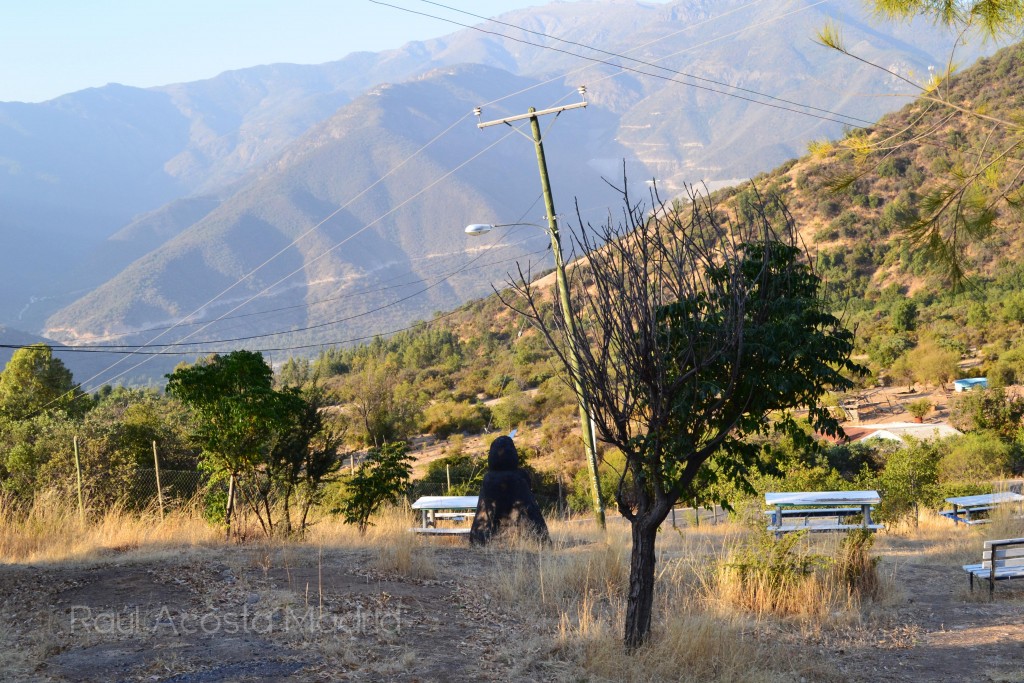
(586, 424)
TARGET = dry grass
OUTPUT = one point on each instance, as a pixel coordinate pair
(701, 633)
(714, 621)
(50, 530)
(399, 551)
(687, 645)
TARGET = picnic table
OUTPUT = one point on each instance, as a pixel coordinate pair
(972, 506)
(448, 508)
(808, 505)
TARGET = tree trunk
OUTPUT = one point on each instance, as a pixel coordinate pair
(639, 605)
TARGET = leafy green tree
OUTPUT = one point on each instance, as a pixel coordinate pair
(988, 409)
(903, 315)
(902, 370)
(385, 408)
(932, 364)
(237, 413)
(381, 478)
(510, 411)
(975, 458)
(34, 381)
(910, 478)
(884, 349)
(303, 459)
(27, 447)
(692, 333)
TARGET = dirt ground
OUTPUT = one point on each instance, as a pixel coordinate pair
(303, 614)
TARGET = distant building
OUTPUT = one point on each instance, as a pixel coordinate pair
(895, 431)
(972, 383)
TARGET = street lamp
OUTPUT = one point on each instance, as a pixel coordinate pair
(477, 229)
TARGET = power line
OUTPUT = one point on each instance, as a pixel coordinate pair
(848, 118)
(308, 304)
(102, 347)
(633, 59)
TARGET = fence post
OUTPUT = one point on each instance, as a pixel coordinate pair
(78, 476)
(159, 491)
(448, 475)
(230, 505)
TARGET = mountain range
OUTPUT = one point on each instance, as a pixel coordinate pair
(327, 201)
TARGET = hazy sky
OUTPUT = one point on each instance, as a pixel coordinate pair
(52, 47)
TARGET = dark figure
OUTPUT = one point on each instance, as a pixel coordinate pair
(505, 495)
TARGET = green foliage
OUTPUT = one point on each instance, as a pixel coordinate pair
(611, 468)
(884, 349)
(302, 458)
(33, 381)
(446, 417)
(275, 445)
(380, 479)
(988, 409)
(919, 408)
(793, 353)
(466, 473)
(384, 407)
(511, 411)
(995, 17)
(932, 364)
(910, 479)
(903, 315)
(975, 458)
(770, 565)
(236, 408)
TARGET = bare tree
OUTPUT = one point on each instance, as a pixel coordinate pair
(691, 329)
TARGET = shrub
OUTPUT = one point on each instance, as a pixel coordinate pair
(445, 418)
(919, 408)
(910, 478)
(511, 411)
(382, 478)
(975, 458)
(855, 566)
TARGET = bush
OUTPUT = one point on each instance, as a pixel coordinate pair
(910, 478)
(466, 472)
(580, 497)
(511, 411)
(382, 478)
(445, 418)
(975, 458)
(919, 408)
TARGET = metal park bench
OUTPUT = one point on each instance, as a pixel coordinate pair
(446, 508)
(821, 504)
(1000, 561)
(975, 509)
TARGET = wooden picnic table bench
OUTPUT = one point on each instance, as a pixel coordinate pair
(816, 504)
(967, 508)
(448, 508)
(1000, 561)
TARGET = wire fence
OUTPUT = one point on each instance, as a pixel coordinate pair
(168, 488)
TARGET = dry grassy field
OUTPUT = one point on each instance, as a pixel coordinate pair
(137, 598)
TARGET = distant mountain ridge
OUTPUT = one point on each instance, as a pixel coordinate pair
(206, 180)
